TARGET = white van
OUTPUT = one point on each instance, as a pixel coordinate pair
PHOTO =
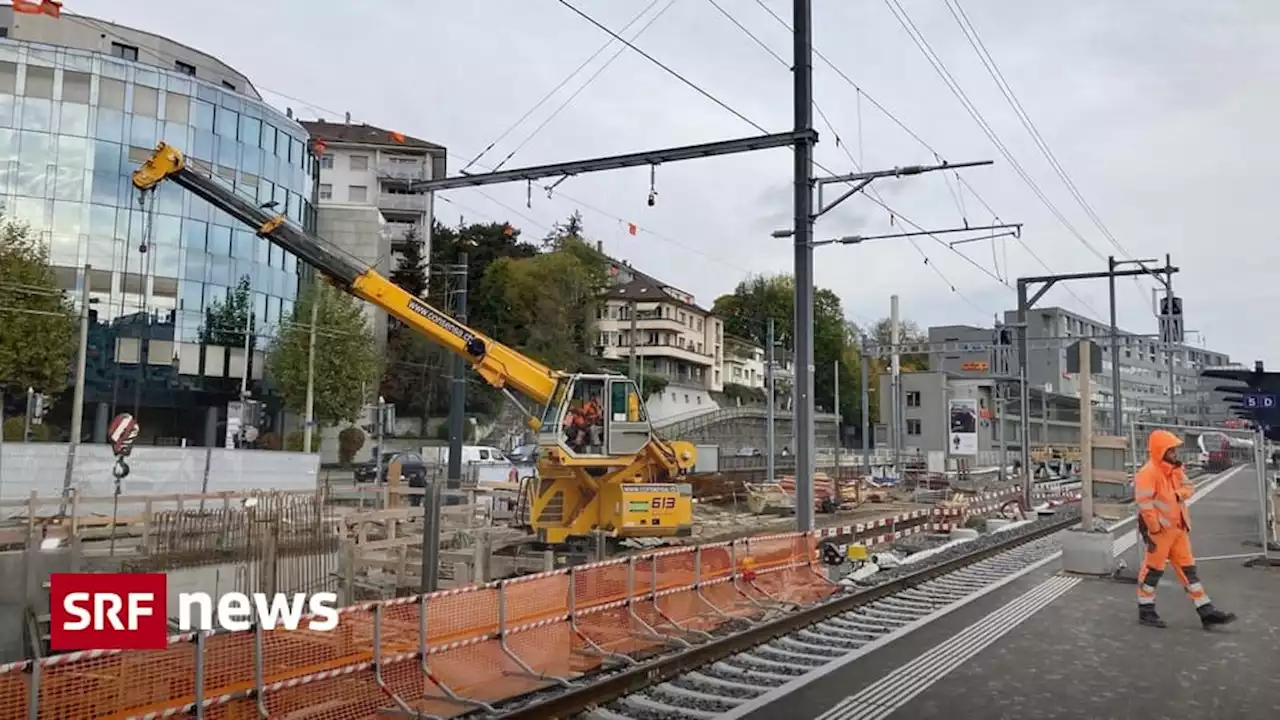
(471, 455)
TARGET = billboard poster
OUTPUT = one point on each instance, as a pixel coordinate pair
(964, 426)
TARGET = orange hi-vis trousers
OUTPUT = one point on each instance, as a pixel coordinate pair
(1172, 545)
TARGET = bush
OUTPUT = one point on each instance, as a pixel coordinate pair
(13, 431)
(350, 440)
(271, 441)
(293, 441)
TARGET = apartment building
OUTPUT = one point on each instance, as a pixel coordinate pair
(673, 338)
(744, 363)
(365, 166)
(366, 203)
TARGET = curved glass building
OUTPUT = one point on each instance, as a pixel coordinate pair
(82, 103)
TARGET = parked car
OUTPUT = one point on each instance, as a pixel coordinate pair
(523, 454)
(412, 468)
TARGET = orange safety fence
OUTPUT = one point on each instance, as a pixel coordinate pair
(441, 654)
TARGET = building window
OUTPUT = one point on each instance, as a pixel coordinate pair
(913, 427)
(359, 163)
(357, 193)
(913, 398)
(326, 191)
(128, 52)
(326, 161)
(228, 86)
(184, 68)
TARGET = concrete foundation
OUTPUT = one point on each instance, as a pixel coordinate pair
(1088, 553)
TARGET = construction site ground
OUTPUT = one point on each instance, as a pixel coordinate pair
(716, 522)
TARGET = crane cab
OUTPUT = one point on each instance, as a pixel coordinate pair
(591, 417)
(597, 468)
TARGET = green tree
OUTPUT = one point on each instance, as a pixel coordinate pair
(225, 320)
(548, 302)
(37, 322)
(746, 313)
(909, 333)
(347, 364)
(405, 380)
(411, 268)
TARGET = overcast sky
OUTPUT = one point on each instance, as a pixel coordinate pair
(1162, 113)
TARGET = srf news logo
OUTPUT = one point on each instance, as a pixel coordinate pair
(127, 611)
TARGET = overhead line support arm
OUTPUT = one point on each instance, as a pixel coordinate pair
(617, 162)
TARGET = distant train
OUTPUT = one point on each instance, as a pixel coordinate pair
(1218, 449)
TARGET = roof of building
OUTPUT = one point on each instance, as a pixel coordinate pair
(644, 288)
(363, 134)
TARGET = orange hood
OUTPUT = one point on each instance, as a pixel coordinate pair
(1159, 443)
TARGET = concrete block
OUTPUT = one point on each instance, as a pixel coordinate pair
(1088, 553)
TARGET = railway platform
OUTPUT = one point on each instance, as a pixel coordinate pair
(1055, 647)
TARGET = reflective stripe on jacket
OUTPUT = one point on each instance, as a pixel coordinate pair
(1161, 489)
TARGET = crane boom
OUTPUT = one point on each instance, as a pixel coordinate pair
(499, 365)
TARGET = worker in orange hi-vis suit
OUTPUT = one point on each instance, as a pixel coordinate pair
(1161, 490)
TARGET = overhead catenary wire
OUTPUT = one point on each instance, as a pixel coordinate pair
(551, 93)
(902, 125)
(750, 122)
(900, 14)
(979, 47)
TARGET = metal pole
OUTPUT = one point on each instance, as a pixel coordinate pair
(1024, 421)
(244, 372)
(895, 384)
(77, 401)
(1044, 414)
(771, 448)
(1173, 349)
(863, 371)
(1086, 437)
(430, 581)
(26, 416)
(632, 359)
(1260, 463)
(802, 63)
(1001, 449)
(310, 415)
(457, 404)
(839, 417)
(1117, 401)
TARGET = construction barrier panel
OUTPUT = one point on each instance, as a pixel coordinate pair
(441, 654)
(449, 652)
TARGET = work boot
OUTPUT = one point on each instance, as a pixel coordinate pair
(1147, 616)
(1211, 616)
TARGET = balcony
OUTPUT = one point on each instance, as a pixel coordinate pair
(403, 203)
(403, 171)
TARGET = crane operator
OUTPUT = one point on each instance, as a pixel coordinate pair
(1161, 490)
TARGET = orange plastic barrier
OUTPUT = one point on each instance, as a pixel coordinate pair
(442, 654)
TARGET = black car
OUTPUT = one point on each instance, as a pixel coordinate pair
(412, 468)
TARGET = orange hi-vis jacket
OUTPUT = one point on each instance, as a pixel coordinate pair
(1160, 489)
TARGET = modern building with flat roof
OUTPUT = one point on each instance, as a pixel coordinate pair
(82, 103)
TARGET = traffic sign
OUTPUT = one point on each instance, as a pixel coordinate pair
(1259, 401)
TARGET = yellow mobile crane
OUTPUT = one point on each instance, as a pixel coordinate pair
(615, 475)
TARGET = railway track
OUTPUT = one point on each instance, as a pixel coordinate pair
(721, 677)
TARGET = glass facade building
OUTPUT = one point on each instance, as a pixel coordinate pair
(74, 124)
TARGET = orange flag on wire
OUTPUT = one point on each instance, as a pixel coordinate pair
(632, 229)
(52, 8)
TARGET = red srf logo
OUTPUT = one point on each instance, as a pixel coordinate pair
(108, 611)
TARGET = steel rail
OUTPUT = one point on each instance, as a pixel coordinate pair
(624, 682)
